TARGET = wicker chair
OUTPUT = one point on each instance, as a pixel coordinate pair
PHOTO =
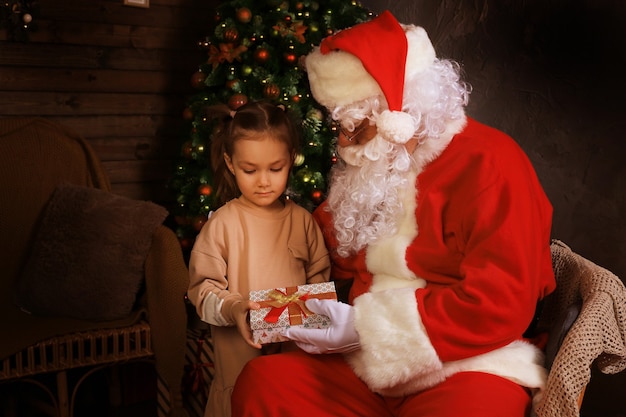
(35, 156)
(586, 319)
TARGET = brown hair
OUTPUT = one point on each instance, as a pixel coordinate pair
(250, 121)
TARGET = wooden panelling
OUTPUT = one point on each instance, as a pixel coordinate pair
(118, 75)
(92, 80)
(79, 103)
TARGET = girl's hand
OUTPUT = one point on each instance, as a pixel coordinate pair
(240, 314)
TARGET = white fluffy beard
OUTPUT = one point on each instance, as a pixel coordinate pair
(364, 193)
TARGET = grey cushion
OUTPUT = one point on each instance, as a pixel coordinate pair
(87, 260)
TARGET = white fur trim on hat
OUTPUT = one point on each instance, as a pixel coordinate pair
(421, 53)
(396, 126)
(339, 79)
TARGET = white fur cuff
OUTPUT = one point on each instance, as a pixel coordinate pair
(397, 358)
(394, 344)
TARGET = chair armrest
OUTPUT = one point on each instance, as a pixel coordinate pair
(167, 280)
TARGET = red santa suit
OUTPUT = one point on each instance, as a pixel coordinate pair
(476, 229)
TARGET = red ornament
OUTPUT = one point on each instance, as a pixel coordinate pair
(198, 222)
(261, 55)
(181, 220)
(296, 98)
(205, 189)
(197, 80)
(317, 196)
(187, 149)
(185, 243)
(237, 100)
(271, 91)
(187, 114)
(244, 15)
(291, 58)
(231, 35)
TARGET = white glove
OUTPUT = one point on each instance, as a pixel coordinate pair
(341, 336)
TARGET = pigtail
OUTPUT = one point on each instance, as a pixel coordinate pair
(225, 185)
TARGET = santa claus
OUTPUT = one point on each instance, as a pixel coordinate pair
(443, 229)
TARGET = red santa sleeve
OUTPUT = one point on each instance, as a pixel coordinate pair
(494, 258)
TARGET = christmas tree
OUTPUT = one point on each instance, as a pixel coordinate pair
(254, 52)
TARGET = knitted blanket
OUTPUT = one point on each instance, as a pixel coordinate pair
(597, 337)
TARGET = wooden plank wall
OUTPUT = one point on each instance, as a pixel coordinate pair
(116, 74)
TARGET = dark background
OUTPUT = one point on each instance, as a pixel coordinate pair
(550, 74)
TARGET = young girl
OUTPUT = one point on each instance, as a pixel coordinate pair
(257, 240)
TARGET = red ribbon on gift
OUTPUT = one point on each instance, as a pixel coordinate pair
(194, 379)
(292, 300)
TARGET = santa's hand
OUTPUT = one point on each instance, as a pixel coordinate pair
(339, 337)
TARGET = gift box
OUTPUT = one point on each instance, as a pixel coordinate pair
(284, 307)
(199, 371)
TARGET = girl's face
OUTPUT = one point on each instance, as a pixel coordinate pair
(261, 168)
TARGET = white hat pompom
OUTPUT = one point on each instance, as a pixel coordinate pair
(396, 126)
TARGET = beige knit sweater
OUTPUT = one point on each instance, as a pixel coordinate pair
(598, 336)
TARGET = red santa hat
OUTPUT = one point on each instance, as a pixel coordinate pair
(371, 59)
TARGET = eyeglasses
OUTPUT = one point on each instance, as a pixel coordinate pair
(338, 129)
